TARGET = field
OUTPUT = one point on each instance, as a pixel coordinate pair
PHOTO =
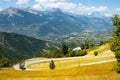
(70, 69)
(93, 72)
(104, 54)
(71, 63)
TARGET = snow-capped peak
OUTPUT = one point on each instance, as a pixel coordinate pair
(11, 11)
(96, 14)
(33, 11)
(53, 10)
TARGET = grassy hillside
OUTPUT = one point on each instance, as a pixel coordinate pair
(93, 72)
(99, 49)
(103, 54)
(17, 47)
(65, 69)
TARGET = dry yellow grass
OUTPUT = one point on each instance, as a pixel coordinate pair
(93, 72)
(70, 63)
(64, 64)
(100, 49)
(63, 70)
(38, 58)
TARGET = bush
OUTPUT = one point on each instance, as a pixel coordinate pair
(116, 68)
(5, 62)
(22, 65)
(117, 55)
(52, 53)
(0, 66)
(76, 53)
(95, 53)
(82, 53)
(101, 43)
(52, 65)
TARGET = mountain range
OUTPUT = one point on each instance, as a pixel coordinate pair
(50, 23)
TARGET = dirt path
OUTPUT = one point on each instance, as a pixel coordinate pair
(16, 67)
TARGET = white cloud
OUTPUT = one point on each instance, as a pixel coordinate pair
(22, 1)
(108, 15)
(48, 1)
(62, 5)
(82, 9)
(36, 7)
(55, 4)
(77, 8)
(117, 9)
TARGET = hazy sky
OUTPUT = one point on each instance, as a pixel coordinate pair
(106, 7)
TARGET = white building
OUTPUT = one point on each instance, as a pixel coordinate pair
(77, 49)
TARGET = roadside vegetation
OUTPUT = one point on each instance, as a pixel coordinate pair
(5, 62)
(52, 65)
(65, 51)
(115, 43)
(22, 65)
(95, 53)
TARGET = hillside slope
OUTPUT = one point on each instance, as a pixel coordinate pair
(69, 69)
(17, 47)
(104, 54)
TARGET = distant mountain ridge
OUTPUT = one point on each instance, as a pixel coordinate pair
(50, 23)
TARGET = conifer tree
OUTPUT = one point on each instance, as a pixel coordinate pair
(115, 43)
(22, 65)
(52, 65)
(64, 48)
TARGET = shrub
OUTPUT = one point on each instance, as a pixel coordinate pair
(95, 53)
(117, 55)
(101, 43)
(64, 48)
(22, 65)
(116, 68)
(52, 65)
(52, 53)
(5, 62)
(0, 66)
(82, 53)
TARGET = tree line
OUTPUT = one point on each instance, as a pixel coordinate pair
(65, 51)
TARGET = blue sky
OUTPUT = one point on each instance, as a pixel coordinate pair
(106, 7)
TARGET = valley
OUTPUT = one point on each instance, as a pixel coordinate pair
(75, 39)
(59, 40)
(51, 24)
